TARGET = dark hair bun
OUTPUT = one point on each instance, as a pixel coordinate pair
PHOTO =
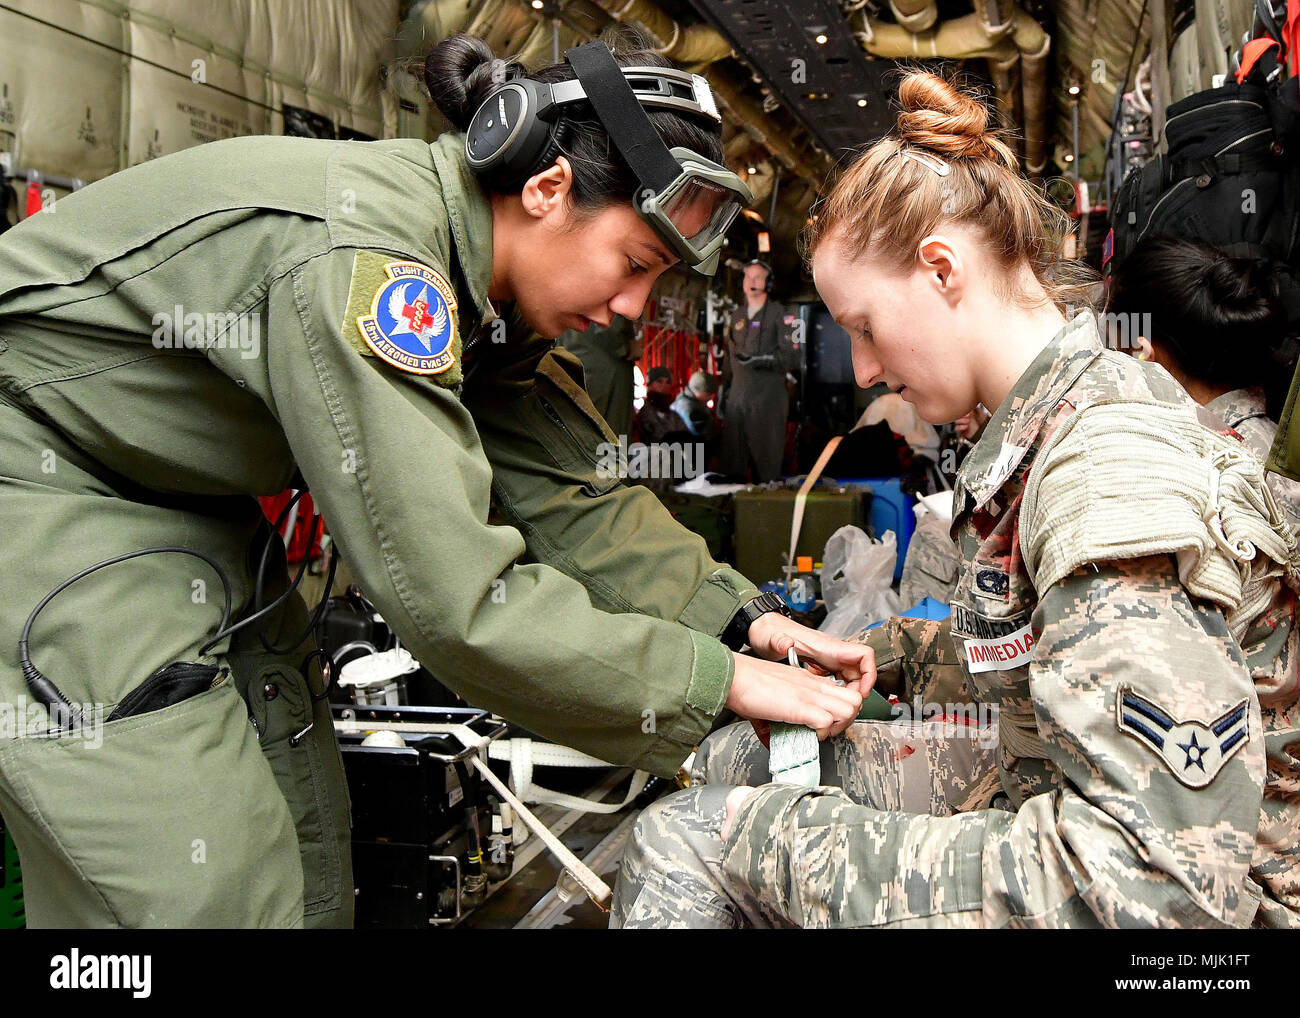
(1221, 318)
(1246, 286)
(459, 73)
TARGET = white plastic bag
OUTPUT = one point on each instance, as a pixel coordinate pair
(857, 574)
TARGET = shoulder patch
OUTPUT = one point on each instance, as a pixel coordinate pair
(1195, 751)
(403, 313)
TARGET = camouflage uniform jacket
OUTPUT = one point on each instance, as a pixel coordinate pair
(1147, 710)
(1244, 411)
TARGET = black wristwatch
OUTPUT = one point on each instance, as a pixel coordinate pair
(736, 635)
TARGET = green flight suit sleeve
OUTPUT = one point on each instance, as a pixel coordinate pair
(394, 461)
(1127, 842)
(555, 467)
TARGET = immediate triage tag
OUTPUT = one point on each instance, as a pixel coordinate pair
(1002, 653)
(405, 314)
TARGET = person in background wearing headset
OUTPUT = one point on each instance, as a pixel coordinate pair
(759, 354)
(365, 319)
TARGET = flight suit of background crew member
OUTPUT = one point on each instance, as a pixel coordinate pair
(229, 808)
(607, 355)
(756, 403)
(1142, 655)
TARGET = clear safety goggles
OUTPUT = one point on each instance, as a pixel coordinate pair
(693, 213)
(687, 199)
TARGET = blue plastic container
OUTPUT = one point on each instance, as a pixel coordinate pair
(926, 608)
(891, 509)
(801, 598)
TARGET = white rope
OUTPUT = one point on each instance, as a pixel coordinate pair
(796, 524)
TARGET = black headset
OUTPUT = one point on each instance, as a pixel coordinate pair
(508, 135)
(520, 128)
(767, 284)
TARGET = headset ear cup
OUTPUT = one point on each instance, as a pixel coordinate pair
(507, 167)
(554, 145)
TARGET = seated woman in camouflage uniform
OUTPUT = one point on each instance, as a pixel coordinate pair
(1218, 325)
(1126, 602)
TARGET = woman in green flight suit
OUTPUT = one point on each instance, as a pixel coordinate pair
(364, 318)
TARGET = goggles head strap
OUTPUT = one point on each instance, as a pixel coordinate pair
(622, 115)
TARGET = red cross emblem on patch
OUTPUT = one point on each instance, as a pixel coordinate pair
(417, 315)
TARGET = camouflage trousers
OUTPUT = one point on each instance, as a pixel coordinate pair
(671, 874)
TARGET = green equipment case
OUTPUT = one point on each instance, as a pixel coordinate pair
(764, 517)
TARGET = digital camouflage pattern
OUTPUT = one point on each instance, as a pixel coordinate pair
(655, 889)
(1277, 856)
(916, 658)
(1103, 827)
(1245, 412)
(914, 766)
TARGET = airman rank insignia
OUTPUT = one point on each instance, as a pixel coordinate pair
(1194, 750)
(412, 321)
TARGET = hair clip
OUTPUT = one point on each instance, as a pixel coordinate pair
(932, 162)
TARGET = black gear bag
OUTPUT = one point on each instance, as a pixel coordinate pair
(1230, 177)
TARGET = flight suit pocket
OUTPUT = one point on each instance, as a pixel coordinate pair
(165, 818)
(307, 769)
(573, 432)
(167, 686)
